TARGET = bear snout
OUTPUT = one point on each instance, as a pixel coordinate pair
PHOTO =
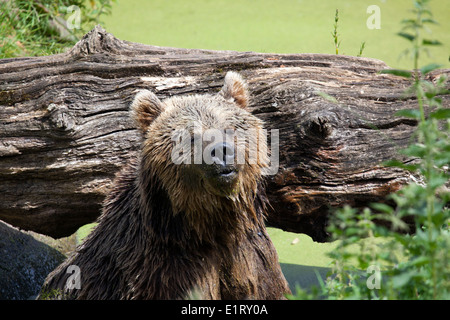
(222, 154)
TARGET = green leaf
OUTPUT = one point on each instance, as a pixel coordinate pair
(407, 36)
(409, 21)
(440, 114)
(382, 207)
(415, 150)
(430, 67)
(408, 113)
(420, 261)
(402, 279)
(327, 97)
(401, 165)
(427, 42)
(429, 20)
(436, 182)
(351, 231)
(397, 72)
(392, 163)
(442, 159)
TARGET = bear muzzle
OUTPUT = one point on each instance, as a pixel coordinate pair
(222, 173)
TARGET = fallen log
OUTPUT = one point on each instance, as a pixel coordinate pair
(65, 129)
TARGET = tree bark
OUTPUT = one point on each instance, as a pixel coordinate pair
(65, 128)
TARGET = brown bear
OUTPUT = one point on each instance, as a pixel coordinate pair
(173, 228)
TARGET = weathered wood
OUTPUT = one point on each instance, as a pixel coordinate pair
(65, 128)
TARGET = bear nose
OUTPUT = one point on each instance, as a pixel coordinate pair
(222, 154)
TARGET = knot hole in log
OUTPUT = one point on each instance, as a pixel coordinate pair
(318, 127)
(60, 118)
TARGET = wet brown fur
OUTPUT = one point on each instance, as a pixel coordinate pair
(162, 238)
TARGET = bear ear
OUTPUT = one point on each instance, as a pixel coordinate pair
(145, 108)
(235, 88)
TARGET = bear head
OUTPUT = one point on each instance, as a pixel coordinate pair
(207, 150)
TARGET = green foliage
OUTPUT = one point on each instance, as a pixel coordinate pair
(412, 31)
(31, 28)
(407, 266)
(361, 48)
(335, 34)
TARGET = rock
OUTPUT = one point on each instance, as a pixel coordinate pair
(24, 263)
